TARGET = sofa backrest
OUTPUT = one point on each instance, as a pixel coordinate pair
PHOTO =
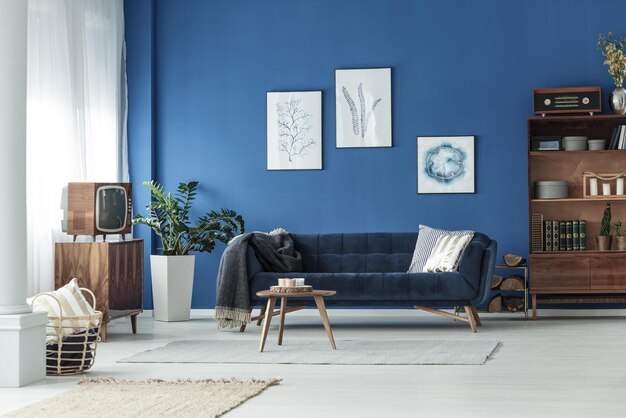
(379, 252)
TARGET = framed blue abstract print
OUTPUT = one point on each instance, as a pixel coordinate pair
(445, 164)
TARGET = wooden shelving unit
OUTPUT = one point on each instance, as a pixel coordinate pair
(589, 276)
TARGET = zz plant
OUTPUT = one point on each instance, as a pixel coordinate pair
(168, 216)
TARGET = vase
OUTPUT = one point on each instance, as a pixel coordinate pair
(603, 242)
(621, 243)
(172, 286)
(617, 100)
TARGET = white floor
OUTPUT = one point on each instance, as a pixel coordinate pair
(553, 367)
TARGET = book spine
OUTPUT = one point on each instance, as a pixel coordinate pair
(582, 235)
(547, 229)
(555, 236)
(562, 236)
(569, 238)
(575, 236)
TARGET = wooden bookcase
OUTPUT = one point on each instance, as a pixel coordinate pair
(589, 276)
(112, 270)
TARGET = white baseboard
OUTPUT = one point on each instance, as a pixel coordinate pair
(210, 313)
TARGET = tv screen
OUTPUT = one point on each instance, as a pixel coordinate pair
(111, 208)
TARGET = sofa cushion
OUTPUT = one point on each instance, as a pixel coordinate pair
(425, 242)
(377, 286)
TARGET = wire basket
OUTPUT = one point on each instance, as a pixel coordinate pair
(71, 341)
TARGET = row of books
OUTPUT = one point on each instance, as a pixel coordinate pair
(565, 235)
(618, 139)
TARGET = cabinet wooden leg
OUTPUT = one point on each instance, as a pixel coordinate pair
(271, 302)
(321, 307)
(103, 332)
(534, 307)
(281, 328)
(133, 323)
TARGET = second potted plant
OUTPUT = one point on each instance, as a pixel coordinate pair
(619, 237)
(603, 239)
(172, 272)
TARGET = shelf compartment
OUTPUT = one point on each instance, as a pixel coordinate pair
(613, 198)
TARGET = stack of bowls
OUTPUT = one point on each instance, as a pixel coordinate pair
(597, 144)
(574, 143)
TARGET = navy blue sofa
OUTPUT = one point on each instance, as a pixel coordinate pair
(369, 269)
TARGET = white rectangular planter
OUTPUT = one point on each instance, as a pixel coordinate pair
(172, 285)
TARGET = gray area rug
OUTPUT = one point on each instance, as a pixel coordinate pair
(422, 352)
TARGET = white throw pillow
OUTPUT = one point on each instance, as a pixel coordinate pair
(425, 242)
(447, 252)
(72, 304)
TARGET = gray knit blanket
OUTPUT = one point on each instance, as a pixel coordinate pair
(275, 252)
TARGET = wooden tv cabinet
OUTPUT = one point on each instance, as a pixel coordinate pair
(113, 270)
(589, 276)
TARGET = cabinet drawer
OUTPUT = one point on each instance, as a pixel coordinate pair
(559, 272)
(608, 271)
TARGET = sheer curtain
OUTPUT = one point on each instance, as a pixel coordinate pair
(76, 114)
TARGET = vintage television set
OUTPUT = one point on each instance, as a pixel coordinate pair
(99, 209)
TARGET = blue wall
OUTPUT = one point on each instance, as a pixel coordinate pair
(199, 70)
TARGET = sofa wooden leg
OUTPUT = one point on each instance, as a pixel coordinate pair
(471, 318)
(476, 317)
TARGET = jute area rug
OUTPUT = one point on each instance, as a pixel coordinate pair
(418, 352)
(107, 397)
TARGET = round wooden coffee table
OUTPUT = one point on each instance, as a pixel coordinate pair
(317, 295)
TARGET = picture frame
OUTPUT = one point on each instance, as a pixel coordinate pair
(294, 130)
(446, 164)
(363, 108)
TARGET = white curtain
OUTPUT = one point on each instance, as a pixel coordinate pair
(76, 114)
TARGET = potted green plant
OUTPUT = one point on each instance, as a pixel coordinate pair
(172, 272)
(619, 237)
(613, 49)
(603, 239)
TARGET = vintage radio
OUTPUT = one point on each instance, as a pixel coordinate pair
(567, 100)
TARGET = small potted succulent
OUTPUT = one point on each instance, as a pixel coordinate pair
(603, 239)
(620, 238)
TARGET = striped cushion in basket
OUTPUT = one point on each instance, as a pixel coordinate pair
(425, 242)
(73, 305)
(447, 252)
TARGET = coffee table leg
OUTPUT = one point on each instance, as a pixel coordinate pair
(266, 322)
(281, 328)
(321, 307)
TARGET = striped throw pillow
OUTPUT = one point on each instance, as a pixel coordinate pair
(447, 252)
(73, 306)
(425, 242)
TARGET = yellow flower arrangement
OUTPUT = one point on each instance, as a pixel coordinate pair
(612, 48)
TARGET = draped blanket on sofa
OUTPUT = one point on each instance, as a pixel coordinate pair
(275, 252)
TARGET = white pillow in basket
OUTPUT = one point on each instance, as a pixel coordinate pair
(72, 304)
(447, 252)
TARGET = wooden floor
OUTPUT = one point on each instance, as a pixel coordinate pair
(553, 367)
